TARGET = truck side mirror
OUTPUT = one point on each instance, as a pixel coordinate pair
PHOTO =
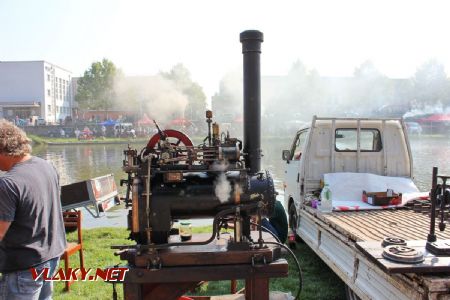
(286, 155)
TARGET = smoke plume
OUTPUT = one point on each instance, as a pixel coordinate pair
(222, 188)
(153, 95)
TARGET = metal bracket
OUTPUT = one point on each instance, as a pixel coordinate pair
(154, 263)
(258, 259)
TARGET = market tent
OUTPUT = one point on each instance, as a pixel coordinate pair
(239, 119)
(436, 118)
(181, 122)
(145, 120)
(108, 123)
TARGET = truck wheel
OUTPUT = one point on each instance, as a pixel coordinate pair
(293, 222)
(350, 294)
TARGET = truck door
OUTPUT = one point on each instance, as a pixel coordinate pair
(292, 176)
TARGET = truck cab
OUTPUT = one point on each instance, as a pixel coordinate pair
(329, 145)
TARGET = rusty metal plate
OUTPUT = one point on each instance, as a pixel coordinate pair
(430, 264)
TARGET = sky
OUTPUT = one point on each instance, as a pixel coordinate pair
(145, 37)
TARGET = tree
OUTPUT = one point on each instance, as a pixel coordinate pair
(371, 90)
(227, 102)
(431, 85)
(181, 77)
(96, 88)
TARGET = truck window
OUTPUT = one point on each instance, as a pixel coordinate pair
(346, 140)
(297, 146)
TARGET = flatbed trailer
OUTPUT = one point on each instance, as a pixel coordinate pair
(333, 237)
(374, 147)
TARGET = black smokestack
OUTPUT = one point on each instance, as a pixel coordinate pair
(251, 49)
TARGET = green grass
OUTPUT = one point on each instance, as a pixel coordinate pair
(36, 139)
(319, 281)
(46, 140)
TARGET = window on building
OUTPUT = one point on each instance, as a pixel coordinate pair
(48, 77)
(49, 92)
(49, 108)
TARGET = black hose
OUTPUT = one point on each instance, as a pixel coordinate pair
(242, 207)
(267, 230)
(300, 274)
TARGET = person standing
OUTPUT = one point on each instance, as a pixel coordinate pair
(32, 231)
(103, 131)
(77, 132)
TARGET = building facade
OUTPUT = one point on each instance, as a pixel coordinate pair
(31, 90)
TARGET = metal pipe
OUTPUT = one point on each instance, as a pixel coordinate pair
(433, 195)
(215, 228)
(251, 49)
(135, 205)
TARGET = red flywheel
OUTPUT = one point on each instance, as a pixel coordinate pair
(175, 137)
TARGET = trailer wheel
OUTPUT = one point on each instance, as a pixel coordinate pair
(293, 222)
(350, 294)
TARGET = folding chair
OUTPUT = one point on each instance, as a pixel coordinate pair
(72, 222)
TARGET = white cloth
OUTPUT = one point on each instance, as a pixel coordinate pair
(347, 188)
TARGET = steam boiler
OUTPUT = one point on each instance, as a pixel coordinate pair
(172, 179)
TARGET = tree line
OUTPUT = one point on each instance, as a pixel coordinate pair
(301, 92)
(104, 87)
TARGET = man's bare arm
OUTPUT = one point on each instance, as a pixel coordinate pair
(3, 228)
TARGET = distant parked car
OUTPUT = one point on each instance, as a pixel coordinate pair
(413, 128)
(40, 121)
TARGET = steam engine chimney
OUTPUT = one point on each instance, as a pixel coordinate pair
(251, 49)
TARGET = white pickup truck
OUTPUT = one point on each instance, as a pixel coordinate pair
(373, 146)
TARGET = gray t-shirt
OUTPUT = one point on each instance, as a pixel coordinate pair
(30, 200)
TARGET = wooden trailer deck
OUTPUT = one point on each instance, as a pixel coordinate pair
(334, 237)
(374, 225)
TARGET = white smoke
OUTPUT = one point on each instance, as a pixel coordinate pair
(154, 95)
(219, 166)
(222, 188)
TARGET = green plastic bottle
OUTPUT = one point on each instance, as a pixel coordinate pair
(326, 204)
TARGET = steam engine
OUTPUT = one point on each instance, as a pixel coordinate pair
(172, 179)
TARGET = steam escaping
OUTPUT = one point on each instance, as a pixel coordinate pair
(222, 188)
(154, 95)
(220, 166)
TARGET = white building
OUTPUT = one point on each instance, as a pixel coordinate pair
(32, 89)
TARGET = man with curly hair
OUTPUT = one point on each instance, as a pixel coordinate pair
(31, 225)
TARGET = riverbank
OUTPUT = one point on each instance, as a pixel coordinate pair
(319, 281)
(39, 140)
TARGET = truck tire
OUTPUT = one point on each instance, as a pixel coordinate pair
(293, 222)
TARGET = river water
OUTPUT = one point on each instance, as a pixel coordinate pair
(80, 162)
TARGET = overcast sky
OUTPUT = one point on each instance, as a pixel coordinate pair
(144, 37)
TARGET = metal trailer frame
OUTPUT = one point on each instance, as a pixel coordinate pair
(365, 278)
